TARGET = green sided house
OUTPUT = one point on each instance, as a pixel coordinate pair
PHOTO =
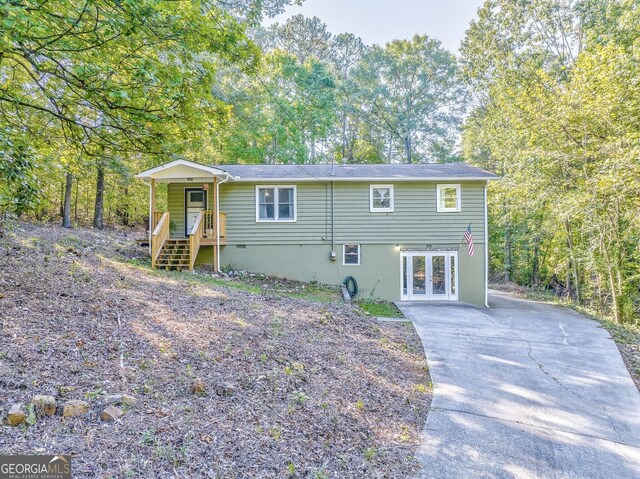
(397, 229)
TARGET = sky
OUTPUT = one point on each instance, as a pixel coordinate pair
(380, 21)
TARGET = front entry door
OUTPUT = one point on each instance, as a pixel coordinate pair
(429, 275)
(195, 201)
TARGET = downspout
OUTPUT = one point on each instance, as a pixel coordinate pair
(218, 183)
(486, 249)
(333, 245)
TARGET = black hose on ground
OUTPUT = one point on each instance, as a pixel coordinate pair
(352, 286)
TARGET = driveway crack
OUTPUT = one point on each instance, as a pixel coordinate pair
(528, 424)
(555, 379)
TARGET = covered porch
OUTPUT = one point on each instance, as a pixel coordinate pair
(192, 224)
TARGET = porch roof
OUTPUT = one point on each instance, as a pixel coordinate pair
(182, 171)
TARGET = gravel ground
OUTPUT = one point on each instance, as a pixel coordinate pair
(293, 388)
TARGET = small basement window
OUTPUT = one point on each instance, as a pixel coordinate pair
(381, 198)
(448, 198)
(351, 254)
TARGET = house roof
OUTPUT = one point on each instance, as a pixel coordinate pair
(180, 170)
(357, 172)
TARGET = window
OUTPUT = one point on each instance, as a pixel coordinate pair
(381, 198)
(196, 196)
(448, 198)
(351, 254)
(276, 203)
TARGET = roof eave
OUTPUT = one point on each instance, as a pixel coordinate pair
(392, 179)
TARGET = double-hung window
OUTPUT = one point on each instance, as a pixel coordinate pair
(381, 198)
(448, 198)
(275, 203)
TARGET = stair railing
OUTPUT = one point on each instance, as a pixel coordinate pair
(157, 215)
(197, 233)
(210, 225)
(159, 237)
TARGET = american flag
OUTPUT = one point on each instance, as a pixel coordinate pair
(468, 237)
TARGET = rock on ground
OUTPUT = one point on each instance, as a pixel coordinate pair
(16, 415)
(75, 407)
(111, 413)
(44, 405)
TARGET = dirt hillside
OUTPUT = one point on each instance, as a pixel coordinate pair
(291, 387)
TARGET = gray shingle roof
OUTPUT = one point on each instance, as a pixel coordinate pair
(416, 171)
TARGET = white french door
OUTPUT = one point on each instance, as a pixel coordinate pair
(429, 275)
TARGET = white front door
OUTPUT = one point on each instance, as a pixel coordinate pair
(429, 275)
(195, 201)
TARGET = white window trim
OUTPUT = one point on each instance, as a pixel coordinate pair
(391, 203)
(276, 210)
(439, 189)
(359, 255)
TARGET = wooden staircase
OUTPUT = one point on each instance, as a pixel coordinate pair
(174, 254)
(181, 253)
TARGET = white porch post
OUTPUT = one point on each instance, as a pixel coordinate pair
(152, 208)
(217, 198)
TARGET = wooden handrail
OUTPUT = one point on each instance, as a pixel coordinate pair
(159, 236)
(197, 233)
(210, 224)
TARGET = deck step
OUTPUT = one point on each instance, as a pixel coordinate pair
(175, 255)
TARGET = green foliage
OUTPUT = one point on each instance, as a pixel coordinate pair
(118, 87)
(119, 84)
(129, 76)
(559, 119)
(410, 92)
(31, 415)
(18, 183)
(370, 453)
(380, 309)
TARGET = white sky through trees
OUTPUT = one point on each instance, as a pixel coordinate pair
(380, 21)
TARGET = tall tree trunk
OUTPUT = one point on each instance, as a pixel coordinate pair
(75, 204)
(407, 148)
(508, 261)
(66, 209)
(344, 132)
(313, 149)
(536, 261)
(99, 206)
(122, 211)
(615, 297)
(390, 150)
(572, 261)
(62, 187)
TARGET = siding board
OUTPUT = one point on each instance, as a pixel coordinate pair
(414, 219)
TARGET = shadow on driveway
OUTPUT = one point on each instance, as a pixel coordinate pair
(525, 389)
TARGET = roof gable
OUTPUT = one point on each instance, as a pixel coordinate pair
(180, 170)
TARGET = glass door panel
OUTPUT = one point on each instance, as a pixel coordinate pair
(405, 276)
(419, 275)
(452, 277)
(438, 275)
(429, 275)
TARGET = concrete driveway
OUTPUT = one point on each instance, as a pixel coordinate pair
(525, 390)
